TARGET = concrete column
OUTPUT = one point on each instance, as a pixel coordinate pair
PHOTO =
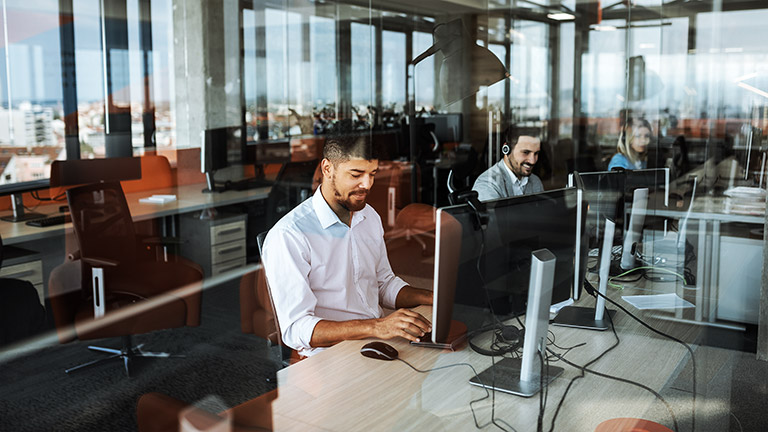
(206, 67)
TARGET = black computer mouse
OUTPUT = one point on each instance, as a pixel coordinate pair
(379, 350)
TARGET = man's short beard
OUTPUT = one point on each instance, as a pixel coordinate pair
(345, 203)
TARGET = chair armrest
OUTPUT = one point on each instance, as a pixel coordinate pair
(100, 262)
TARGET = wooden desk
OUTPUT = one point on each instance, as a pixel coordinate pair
(189, 198)
(339, 389)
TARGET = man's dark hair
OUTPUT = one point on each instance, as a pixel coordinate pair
(343, 145)
(515, 132)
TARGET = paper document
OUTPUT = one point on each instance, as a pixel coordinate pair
(158, 199)
(657, 301)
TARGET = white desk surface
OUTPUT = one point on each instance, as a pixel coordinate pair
(189, 198)
(707, 208)
(339, 389)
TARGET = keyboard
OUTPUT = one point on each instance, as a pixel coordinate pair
(50, 221)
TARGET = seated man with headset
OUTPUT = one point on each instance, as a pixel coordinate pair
(513, 174)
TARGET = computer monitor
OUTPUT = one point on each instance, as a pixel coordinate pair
(483, 271)
(524, 376)
(221, 148)
(448, 127)
(604, 193)
(634, 229)
(587, 317)
(655, 179)
(610, 195)
(15, 190)
(23, 171)
(259, 153)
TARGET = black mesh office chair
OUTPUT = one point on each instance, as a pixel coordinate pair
(117, 274)
(293, 185)
(280, 352)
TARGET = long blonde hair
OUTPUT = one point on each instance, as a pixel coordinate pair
(624, 145)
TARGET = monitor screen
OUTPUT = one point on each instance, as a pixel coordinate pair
(275, 151)
(610, 194)
(222, 147)
(604, 193)
(25, 170)
(448, 127)
(482, 270)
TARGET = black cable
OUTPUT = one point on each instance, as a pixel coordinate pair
(690, 351)
(626, 381)
(574, 379)
(540, 418)
(471, 404)
(36, 195)
(493, 314)
(565, 350)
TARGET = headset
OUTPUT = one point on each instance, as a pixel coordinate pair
(507, 339)
(506, 149)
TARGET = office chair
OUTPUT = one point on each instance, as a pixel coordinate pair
(460, 176)
(112, 286)
(415, 221)
(284, 354)
(21, 314)
(293, 184)
(257, 316)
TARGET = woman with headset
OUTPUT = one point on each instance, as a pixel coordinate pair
(632, 149)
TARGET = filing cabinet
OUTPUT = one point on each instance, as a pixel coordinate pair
(218, 245)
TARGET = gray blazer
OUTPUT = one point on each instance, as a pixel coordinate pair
(495, 183)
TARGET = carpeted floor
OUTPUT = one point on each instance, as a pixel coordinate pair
(222, 365)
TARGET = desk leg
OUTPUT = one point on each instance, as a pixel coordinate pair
(701, 265)
(714, 279)
(434, 185)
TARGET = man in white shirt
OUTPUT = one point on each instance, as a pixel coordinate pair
(513, 174)
(326, 261)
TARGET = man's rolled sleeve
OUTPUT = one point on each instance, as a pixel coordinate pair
(286, 263)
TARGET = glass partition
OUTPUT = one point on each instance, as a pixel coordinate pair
(240, 96)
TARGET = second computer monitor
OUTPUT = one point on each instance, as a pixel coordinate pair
(481, 271)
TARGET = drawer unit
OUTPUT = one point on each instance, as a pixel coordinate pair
(218, 245)
(224, 252)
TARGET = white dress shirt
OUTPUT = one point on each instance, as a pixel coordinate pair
(319, 268)
(518, 185)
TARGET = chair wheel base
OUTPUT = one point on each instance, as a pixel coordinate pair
(126, 354)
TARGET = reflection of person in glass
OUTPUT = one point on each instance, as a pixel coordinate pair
(513, 174)
(327, 265)
(632, 149)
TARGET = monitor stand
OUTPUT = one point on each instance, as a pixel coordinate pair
(505, 376)
(211, 184)
(524, 377)
(456, 336)
(586, 317)
(18, 214)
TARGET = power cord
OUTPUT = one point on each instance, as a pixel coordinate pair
(471, 404)
(493, 314)
(660, 333)
(645, 269)
(574, 379)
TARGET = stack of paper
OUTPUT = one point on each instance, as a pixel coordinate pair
(745, 200)
(158, 199)
(657, 301)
